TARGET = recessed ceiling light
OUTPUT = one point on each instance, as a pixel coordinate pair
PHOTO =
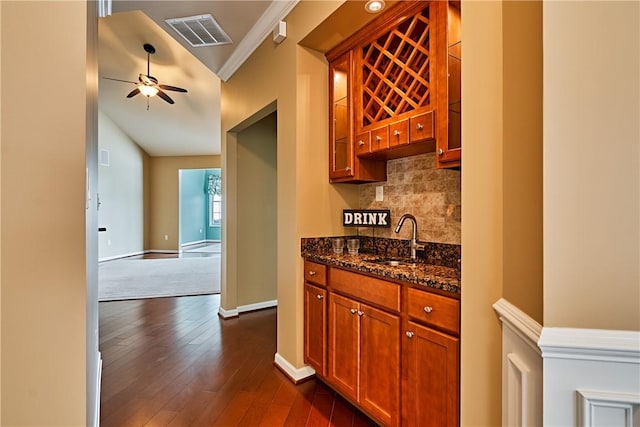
(374, 6)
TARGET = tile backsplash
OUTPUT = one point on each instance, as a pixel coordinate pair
(415, 186)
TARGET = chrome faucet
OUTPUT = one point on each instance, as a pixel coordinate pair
(415, 244)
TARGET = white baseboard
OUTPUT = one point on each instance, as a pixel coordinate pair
(96, 415)
(296, 374)
(160, 251)
(257, 306)
(111, 258)
(234, 312)
(227, 314)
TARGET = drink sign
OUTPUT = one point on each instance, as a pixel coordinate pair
(366, 218)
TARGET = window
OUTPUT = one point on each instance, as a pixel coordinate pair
(215, 209)
(214, 188)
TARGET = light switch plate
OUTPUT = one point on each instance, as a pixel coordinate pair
(379, 193)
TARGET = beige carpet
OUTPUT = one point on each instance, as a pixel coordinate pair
(151, 278)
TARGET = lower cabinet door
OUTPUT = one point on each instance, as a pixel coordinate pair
(315, 321)
(380, 364)
(344, 338)
(431, 378)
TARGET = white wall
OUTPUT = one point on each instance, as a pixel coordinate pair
(121, 192)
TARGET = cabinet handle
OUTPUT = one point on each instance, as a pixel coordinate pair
(428, 309)
(396, 132)
(409, 334)
(312, 273)
(419, 126)
(353, 311)
(378, 138)
(440, 152)
(319, 296)
(360, 313)
(361, 142)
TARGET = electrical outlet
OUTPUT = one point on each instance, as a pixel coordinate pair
(201, 231)
(166, 237)
(109, 242)
(379, 193)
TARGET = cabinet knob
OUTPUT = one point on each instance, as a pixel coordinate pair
(319, 296)
(360, 313)
(378, 138)
(396, 132)
(312, 273)
(353, 311)
(347, 168)
(428, 309)
(409, 334)
(361, 142)
(440, 152)
(419, 126)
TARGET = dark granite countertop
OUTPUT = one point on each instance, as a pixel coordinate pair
(420, 273)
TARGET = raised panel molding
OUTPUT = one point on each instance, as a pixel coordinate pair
(591, 377)
(517, 373)
(600, 408)
(521, 367)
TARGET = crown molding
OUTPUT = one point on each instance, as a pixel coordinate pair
(276, 12)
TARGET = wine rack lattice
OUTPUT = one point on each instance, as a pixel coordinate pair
(396, 70)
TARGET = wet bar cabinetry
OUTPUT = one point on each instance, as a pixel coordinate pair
(392, 349)
(394, 99)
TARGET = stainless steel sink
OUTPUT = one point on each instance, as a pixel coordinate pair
(394, 262)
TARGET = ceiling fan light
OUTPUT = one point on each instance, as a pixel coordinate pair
(148, 91)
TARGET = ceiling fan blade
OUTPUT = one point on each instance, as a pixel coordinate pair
(119, 80)
(173, 88)
(164, 96)
(133, 93)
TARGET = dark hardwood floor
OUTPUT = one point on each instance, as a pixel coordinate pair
(174, 362)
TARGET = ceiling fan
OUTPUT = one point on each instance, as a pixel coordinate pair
(147, 84)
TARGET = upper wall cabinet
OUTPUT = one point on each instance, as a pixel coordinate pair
(399, 96)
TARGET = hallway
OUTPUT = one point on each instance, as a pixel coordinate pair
(174, 362)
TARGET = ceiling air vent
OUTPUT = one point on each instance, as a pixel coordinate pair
(201, 30)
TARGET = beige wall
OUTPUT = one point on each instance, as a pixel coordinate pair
(482, 212)
(592, 165)
(162, 216)
(296, 79)
(44, 318)
(257, 212)
(0, 216)
(522, 155)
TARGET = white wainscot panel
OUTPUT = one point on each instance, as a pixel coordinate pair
(597, 408)
(591, 377)
(521, 367)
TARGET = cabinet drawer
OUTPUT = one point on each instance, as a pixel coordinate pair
(315, 273)
(380, 139)
(421, 127)
(399, 133)
(363, 143)
(365, 288)
(434, 310)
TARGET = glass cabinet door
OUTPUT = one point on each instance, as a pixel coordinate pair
(340, 123)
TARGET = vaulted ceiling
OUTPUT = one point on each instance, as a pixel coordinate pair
(191, 126)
